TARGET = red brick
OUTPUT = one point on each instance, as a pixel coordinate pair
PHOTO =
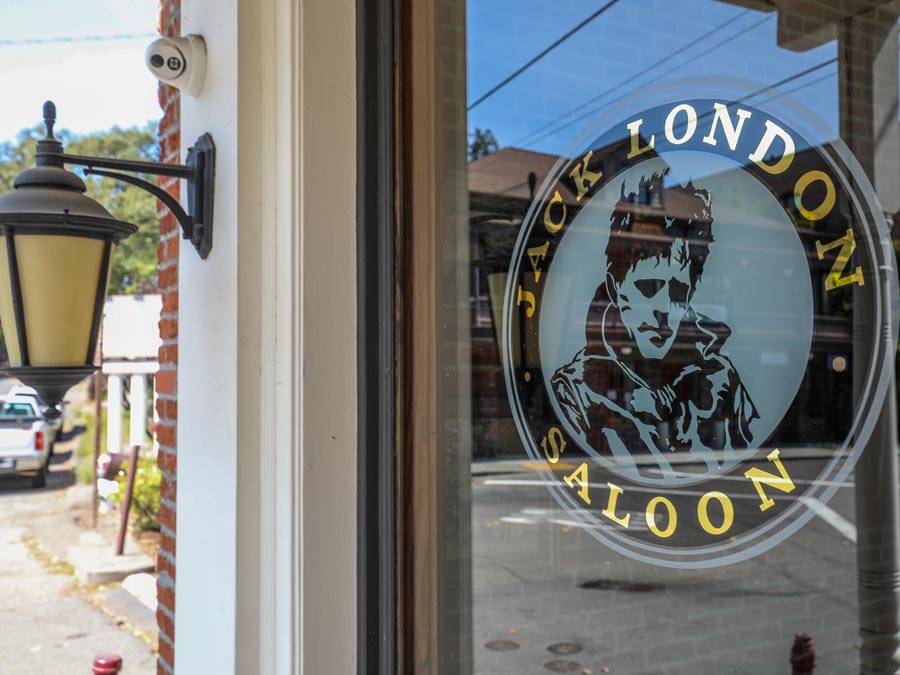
(165, 380)
(166, 655)
(170, 302)
(168, 354)
(170, 118)
(165, 596)
(166, 625)
(170, 185)
(167, 409)
(168, 329)
(164, 565)
(167, 223)
(165, 148)
(167, 460)
(166, 543)
(168, 278)
(166, 515)
(173, 245)
(166, 435)
(169, 490)
(165, 95)
(169, 135)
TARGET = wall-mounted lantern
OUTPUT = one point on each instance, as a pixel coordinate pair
(56, 248)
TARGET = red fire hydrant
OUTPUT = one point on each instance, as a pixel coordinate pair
(803, 655)
(107, 664)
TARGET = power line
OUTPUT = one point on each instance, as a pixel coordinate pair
(781, 94)
(772, 88)
(544, 53)
(631, 78)
(594, 111)
(790, 78)
(81, 38)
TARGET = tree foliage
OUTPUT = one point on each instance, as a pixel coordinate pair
(482, 143)
(134, 263)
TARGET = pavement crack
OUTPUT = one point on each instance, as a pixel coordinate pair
(507, 569)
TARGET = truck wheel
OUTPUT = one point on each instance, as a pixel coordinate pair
(39, 479)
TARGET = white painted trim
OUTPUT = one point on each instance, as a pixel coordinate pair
(328, 329)
(266, 546)
(114, 391)
(206, 615)
(130, 367)
(137, 425)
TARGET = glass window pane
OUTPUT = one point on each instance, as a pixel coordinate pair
(664, 335)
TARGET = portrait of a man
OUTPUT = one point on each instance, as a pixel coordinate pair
(654, 377)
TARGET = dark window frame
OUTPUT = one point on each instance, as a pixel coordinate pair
(376, 485)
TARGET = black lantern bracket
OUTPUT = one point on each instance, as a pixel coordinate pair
(198, 171)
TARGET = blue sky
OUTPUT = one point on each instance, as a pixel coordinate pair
(97, 83)
(632, 45)
(49, 49)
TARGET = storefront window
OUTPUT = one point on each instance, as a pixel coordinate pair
(649, 423)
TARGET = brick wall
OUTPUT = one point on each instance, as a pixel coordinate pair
(166, 379)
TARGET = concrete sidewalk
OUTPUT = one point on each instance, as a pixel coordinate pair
(488, 467)
(50, 623)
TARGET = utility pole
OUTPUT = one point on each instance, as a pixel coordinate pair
(868, 91)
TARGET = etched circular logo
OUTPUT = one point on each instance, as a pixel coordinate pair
(679, 321)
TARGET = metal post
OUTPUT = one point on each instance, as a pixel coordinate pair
(126, 502)
(803, 655)
(107, 664)
(868, 89)
(98, 410)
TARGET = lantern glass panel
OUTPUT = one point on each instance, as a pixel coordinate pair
(59, 277)
(7, 314)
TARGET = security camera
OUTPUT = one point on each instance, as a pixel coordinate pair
(179, 61)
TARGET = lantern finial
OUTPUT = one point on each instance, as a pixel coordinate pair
(49, 119)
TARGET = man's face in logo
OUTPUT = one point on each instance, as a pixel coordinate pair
(653, 298)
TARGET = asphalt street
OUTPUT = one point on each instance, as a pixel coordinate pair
(548, 597)
(47, 624)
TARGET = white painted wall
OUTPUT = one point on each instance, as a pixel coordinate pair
(266, 545)
(207, 375)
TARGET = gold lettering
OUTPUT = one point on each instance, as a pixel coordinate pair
(689, 129)
(536, 255)
(827, 204)
(760, 478)
(528, 297)
(834, 278)
(584, 178)
(732, 132)
(557, 445)
(635, 129)
(727, 513)
(651, 517)
(610, 510)
(554, 226)
(579, 477)
(773, 131)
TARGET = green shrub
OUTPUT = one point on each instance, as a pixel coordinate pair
(84, 416)
(145, 497)
(84, 470)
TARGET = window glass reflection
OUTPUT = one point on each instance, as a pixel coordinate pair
(679, 324)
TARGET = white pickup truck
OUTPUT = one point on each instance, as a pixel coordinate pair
(26, 439)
